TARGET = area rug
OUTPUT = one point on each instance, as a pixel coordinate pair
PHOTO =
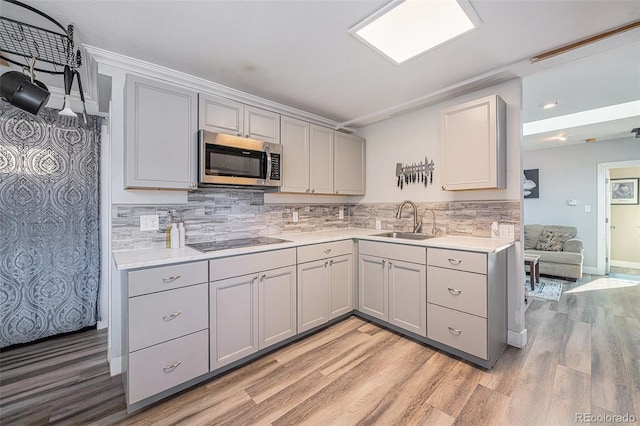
(545, 289)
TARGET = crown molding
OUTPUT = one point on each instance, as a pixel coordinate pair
(148, 69)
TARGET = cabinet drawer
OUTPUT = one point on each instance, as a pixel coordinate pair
(459, 290)
(324, 250)
(465, 332)
(158, 317)
(235, 266)
(407, 253)
(457, 259)
(167, 277)
(163, 366)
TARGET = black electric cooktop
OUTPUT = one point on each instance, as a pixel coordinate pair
(231, 244)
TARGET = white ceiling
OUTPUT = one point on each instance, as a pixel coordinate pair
(299, 53)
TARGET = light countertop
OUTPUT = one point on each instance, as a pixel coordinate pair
(141, 258)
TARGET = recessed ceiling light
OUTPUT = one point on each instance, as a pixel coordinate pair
(404, 29)
(549, 105)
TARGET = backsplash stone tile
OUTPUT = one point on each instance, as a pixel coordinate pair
(222, 214)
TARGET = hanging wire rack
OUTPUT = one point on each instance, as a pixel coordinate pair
(32, 42)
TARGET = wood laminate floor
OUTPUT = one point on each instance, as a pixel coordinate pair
(582, 358)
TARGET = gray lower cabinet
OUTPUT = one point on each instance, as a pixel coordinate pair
(160, 135)
(325, 283)
(467, 301)
(254, 310)
(392, 284)
(166, 335)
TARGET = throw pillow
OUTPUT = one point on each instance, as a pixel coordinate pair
(552, 241)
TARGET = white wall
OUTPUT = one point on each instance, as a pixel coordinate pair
(409, 137)
(571, 173)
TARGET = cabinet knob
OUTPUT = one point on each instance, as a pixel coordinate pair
(313, 190)
(239, 134)
(263, 277)
(390, 264)
(193, 185)
(325, 264)
(384, 262)
(255, 278)
(331, 262)
(307, 190)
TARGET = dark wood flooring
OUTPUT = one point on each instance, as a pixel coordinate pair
(582, 359)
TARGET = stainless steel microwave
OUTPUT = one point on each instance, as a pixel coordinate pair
(228, 160)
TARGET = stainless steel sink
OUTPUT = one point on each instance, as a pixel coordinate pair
(404, 235)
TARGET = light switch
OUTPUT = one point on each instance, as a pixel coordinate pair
(506, 231)
(572, 202)
(295, 216)
(378, 224)
(587, 209)
(341, 213)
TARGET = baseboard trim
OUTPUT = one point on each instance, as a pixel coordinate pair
(590, 270)
(517, 339)
(625, 264)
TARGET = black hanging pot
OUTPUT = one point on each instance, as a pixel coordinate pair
(22, 93)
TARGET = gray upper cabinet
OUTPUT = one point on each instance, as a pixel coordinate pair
(221, 115)
(160, 135)
(349, 165)
(307, 157)
(473, 144)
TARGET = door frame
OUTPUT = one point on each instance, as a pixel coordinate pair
(604, 211)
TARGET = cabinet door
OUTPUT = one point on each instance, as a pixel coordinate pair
(340, 285)
(277, 307)
(160, 135)
(261, 124)
(473, 144)
(312, 294)
(321, 160)
(373, 286)
(233, 317)
(349, 165)
(221, 115)
(295, 155)
(408, 296)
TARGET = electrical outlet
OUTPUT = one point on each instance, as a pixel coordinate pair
(378, 224)
(295, 216)
(506, 231)
(341, 213)
(149, 222)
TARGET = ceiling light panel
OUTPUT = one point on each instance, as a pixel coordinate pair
(404, 29)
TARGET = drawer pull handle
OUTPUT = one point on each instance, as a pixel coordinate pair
(455, 331)
(171, 316)
(455, 261)
(172, 366)
(327, 251)
(454, 291)
(171, 278)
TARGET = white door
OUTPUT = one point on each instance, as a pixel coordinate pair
(312, 294)
(233, 319)
(408, 296)
(373, 286)
(277, 306)
(341, 285)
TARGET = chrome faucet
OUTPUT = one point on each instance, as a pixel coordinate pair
(434, 229)
(417, 222)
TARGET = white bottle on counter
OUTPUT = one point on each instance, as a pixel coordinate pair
(181, 234)
(175, 236)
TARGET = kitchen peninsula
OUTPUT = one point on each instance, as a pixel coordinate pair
(189, 316)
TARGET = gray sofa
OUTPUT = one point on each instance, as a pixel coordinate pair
(560, 252)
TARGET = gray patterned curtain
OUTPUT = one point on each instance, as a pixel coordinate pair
(49, 225)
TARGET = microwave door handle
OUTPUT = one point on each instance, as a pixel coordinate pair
(268, 153)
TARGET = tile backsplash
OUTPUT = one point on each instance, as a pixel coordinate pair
(222, 214)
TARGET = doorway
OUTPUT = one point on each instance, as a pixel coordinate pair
(618, 224)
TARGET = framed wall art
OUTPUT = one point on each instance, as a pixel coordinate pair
(530, 183)
(624, 191)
